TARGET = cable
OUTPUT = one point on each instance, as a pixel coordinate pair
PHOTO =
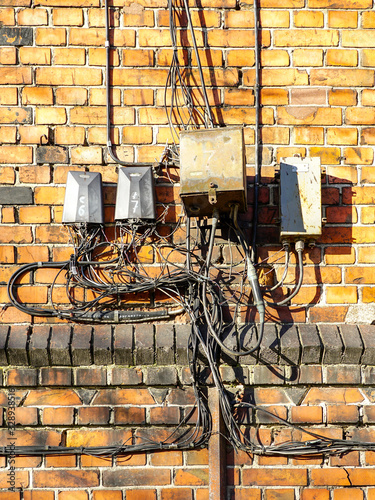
(257, 131)
(299, 245)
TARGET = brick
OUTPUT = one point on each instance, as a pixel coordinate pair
(357, 38)
(341, 295)
(277, 77)
(52, 397)
(109, 495)
(165, 375)
(341, 215)
(22, 377)
(102, 345)
(275, 477)
(21, 480)
(164, 344)
(7, 254)
(342, 97)
(16, 345)
(345, 374)
(59, 345)
(32, 17)
(64, 17)
(16, 36)
(342, 77)
(68, 3)
(303, 115)
(16, 154)
(69, 478)
(35, 56)
(123, 345)
(97, 115)
(306, 38)
(69, 135)
(14, 194)
(70, 57)
(368, 57)
(93, 416)
(15, 115)
(359, 156)
(279, 494)
(58, 416)
(308, 57)
(81, 345)
(308, 19)
(36, 95)
(86, 155)
(144, 344)
(135, 477)
(309, 135)
(366, 332)
(19, 234)
(67, 76)
(8, 95)
(7, 17)
(333, 395)
(8, 55)
(337, 57)
(97, 57)
(51, 154)
(342, 19)
(342, 136)
(96, 37)
(56, 376)
(32, 135)
(368, 97)
(365, 255)
(97, 18)
(360, 116)
(50, 36)
(311, 344)
(50, 116)
(307, 414)
(38, 344)
(342, 414)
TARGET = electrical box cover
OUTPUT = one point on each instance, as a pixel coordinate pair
(300, 198)
(212, 170)
(135, 194)
(83, 198)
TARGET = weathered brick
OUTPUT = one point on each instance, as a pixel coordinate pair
(56, 376)
(8, 55)
(68, 76)
(17, 345)
(59, 345)
(338, 57)
(32, 17)
(50, 36)
(16, 36)
(70, 56)
(343, 77)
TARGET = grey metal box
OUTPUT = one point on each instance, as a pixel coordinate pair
(83, 198)
(135, 198)
(300, 198)
(212, 170)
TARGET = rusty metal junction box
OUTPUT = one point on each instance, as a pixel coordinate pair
(212, 170)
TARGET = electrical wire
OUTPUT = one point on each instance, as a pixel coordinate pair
(299, 249)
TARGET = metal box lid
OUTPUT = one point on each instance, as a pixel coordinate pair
(300, 198)
(212, 170)
(135, 198)
(83, 198)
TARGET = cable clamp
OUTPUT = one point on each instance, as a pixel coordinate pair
(107, 44)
